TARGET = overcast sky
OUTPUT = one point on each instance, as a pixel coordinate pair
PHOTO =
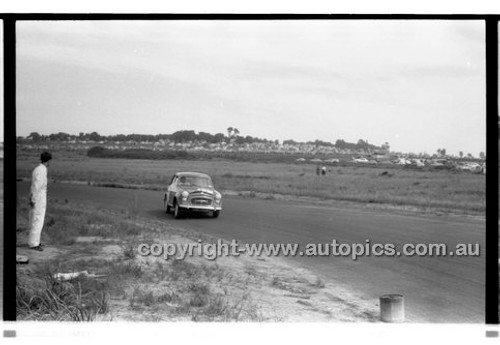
(420, 85)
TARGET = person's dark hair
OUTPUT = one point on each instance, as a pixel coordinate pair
(45, 157)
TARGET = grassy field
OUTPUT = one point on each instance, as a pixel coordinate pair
(428, 189)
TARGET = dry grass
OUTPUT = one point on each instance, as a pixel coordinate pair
(174, 289)
(64, 223)
(41, 297)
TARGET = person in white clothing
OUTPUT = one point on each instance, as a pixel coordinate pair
(38, 201)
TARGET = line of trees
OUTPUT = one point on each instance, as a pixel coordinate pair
(233, 136)
(183, 136)
(179, 136)
(461, 154)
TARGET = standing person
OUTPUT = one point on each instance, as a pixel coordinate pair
(323, 170)
(38, 201)
(317, 169)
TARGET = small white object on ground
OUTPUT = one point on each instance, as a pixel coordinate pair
(22, 259)
(69, 276)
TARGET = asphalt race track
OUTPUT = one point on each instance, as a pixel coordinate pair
(436, 289)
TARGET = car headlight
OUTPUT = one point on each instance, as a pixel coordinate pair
(218, 197)
(184, 196)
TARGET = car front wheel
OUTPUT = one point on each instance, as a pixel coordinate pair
(166, 207)
(215, 214)
(178, 213)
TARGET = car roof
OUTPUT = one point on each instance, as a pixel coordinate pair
(189, 173)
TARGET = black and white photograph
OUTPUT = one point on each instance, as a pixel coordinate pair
(251, 170)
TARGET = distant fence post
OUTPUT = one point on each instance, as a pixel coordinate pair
(392, 308)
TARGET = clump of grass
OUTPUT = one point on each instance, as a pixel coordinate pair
(220, 308)
(198, 300)
(61, 237)
(201, 293)
(276, 282)
(45, 298)
(199, 288)
(159, 272)
(129, 252)
(142, 296)
(217, 306)
(128, 229)
(183, 268)
(125, 269)
(214, 272)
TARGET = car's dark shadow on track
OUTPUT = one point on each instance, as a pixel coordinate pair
(160, 214)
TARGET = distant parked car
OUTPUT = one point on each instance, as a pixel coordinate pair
(332, 160)
(438, 162)
(192, 191)
(418, 163)
(360, 160)
(468, 166)
(403, 161)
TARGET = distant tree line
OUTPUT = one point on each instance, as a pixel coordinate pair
(185, 136)
(102, 152)
(179, 136)
(361, 144)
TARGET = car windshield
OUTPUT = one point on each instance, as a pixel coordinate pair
(195, 181)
